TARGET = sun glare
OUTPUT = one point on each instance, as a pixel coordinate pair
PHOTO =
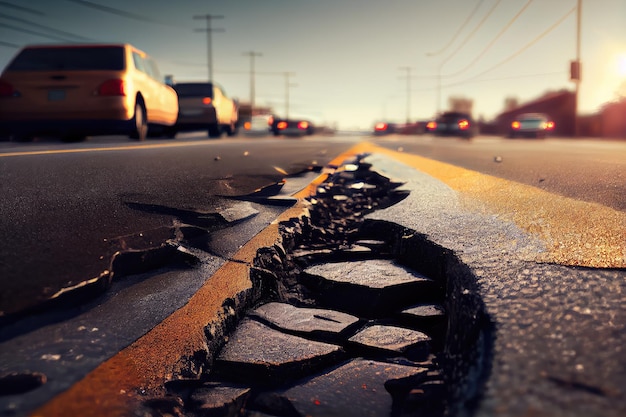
(621, 65)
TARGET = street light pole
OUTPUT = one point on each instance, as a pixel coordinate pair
(578, 69)
(252, 55)
(408, 93)
(287, 85)
(208, 31)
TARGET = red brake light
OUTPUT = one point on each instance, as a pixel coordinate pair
(550, 125)
(516, 125)
(247, 125)
(282, 125)
(464, 124)
(431, 125)
(206, 101)
(303, 125)
(380, 126)
(6, 89)
(113, 87)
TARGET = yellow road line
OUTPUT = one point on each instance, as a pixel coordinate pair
(576, 233)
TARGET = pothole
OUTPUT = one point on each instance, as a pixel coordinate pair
(353, 317)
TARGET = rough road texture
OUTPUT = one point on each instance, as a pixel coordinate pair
(344, 326)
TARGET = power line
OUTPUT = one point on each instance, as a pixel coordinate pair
(117, 12)
(9, 45)
(48, 28)
(480, 24)
(24, 9)
(458, 32)
(494, 40)
(32, 32)
(523, 49)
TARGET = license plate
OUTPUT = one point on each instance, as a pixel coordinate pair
(56, 95)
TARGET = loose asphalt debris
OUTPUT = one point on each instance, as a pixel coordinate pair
(353, 318)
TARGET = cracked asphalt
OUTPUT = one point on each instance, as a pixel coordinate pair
(554, 297)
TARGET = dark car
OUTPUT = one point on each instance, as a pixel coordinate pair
(454, 124)
(536, 125)
(291, 127)
(384, 128)
(205, 106)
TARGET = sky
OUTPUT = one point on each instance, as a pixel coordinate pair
(353, 62)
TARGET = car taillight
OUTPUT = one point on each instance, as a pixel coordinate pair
(7, 90)
(113, 87)
(206, 101)
(270, 120)
(247, 125)
(516, 125)
(380, 126)
(282, 125)
(464, 124)
(431, 125)
(303, 125)
(550, 126)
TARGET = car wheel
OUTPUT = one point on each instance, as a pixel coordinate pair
(214, 131)
(230, 130)
(139, 123)
(170, 132)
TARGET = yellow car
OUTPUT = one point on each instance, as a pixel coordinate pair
(79, 90)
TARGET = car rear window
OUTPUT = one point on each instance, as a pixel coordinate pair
(70, 59)
(194, 90)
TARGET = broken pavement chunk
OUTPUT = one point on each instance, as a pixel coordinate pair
(257, 352)
(304, 320)
(370, 288)
(394, 339)
(355, 389)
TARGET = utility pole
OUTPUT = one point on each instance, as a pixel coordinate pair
(408, 93)
(208, 30)
(287, 85)
(576, 73)
(252, 55)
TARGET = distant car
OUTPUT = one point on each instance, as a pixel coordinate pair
(258, 125)
(205, 106)
(453, 124)
(384, 128)
(78, 90)
(291, 127)
(537, 125)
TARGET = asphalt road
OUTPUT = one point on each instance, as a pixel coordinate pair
(68, 208)
(586, 169)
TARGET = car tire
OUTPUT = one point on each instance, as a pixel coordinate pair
(214, 131)
(139, 123)
(230, 130)
(170, 132)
